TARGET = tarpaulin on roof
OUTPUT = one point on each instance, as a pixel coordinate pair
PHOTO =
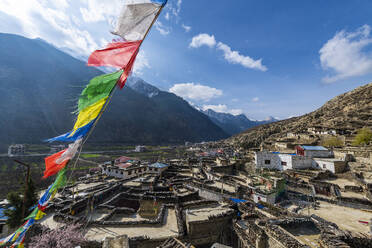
(236, 200)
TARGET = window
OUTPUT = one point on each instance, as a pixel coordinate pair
(267, 161)
(129, 173)
(324, 166)
(156, 169)
(284, 163)
(121, 172)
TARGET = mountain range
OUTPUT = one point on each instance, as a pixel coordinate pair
(40, 86)
(231, 124)
(234, 124)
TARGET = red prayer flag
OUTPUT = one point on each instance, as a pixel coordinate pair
(51, 165)
(117, 54)
(127, 70)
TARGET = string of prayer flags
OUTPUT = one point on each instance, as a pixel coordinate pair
(90, 104)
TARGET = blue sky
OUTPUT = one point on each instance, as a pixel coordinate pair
(260, 58)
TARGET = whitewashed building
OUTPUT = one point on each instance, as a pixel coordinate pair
(260, 197)
(16, 150)
(140, 149)
(330, 164)
(281, 161)
(315, 157)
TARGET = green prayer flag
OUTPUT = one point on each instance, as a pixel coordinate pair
(33, 214)
(98, 88)
(60, 180)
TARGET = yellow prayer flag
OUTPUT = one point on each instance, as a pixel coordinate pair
(40, 214)
(90, 113)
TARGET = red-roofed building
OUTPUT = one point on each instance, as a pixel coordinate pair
(122, 160)
(124, 165)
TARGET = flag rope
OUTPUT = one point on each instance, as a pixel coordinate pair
(18, 237)
(89, 133)
(108, 101)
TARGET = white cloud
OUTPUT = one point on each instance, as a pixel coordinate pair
(177, 9)
(255, 99)
(161, 28)
(345, 54)
(60, 4)
(167, 16)
(203, 40)
(179, 3)
(222, 108)
(141, 63)
(195, 92)
(235, 57)
(187, 28)
(100, 10)
(47, 21)
(173, 9)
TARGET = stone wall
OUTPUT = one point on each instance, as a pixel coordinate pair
(226, 169)
(198, 203)
(303, 188)
(210, 194)
(181, 223)
(145, 242)
(215, 229)
(357, 152)
(280, 238)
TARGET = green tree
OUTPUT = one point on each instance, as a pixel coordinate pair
(364, 137)
(14, 211)
(332, 142)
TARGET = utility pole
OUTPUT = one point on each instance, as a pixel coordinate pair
(26, 186)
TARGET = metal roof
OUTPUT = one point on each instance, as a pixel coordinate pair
(158, 165)
(314, 148)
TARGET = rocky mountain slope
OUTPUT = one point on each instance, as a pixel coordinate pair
(140, 86)
(40, 86)
(352, 111)
(234, 124)
(231, 124)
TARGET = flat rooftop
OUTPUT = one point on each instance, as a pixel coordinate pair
(170, 229)
(226, 187)
(346, 218)
(307, 234)
(342, 182)
(329, 159)
(202, 213)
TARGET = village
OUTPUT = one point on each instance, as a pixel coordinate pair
(292, 192)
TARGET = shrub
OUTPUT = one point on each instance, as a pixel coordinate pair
(332, 142)
(364, 137)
